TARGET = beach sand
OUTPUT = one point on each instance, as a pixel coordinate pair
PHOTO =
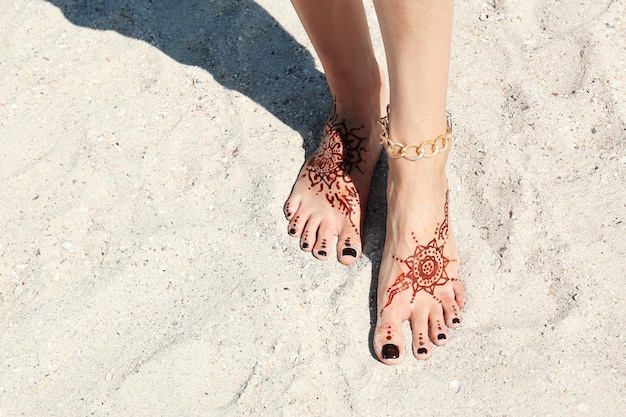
(146, 151)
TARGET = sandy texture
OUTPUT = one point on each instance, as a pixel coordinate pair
(147, 147)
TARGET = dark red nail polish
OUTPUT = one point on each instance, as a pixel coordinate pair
(292, 231)
(422, 351)
(322, 253)
(349, 252)
(390, 351)
(441, 336)
(456, 320)
(305, 245)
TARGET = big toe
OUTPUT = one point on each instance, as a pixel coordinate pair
(388, 343)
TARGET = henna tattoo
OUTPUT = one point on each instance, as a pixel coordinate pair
(348, 251)
(427, 266)
(421, 350)
(328, 170)
(443, 229)
(322, 252)
(292, 227)
(440, 335)
(456, 319)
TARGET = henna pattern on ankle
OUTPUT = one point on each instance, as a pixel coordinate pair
(329, 168)
(427, 266)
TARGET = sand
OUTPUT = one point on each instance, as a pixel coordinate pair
(147, 147)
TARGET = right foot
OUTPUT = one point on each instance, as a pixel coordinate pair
(419, 272)
(329, 197)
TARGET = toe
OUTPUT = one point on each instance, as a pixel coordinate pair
(422, 349)
(451, 303)
(452, 313)
(438, 331)
(322, 244)
(388, 344)
(459, 292)
(296, 225)
(348, 248)
(307, 239)
(305, 244)
(291, 207)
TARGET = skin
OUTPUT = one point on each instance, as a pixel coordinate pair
(419, 274)
(360, 99)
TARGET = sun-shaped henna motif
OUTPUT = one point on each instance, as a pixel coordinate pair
(329, 168)
(427, 265)
(327, 163)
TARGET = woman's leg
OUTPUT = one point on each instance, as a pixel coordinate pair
(418, 278)
(329, 196)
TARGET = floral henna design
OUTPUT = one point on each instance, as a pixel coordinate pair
(329, 169)
(427, 266)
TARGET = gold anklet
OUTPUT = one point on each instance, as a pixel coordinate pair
(399, 150)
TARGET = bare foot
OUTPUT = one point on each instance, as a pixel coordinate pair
(418, 278)
(330, 194)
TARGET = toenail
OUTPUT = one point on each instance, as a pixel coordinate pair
(390, 351)
(456, 321)
(305, 245)
(292, 231)
(422, 351)
(322, 253)
(441, 336)
(349, 252)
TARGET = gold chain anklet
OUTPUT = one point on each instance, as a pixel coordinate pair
(426, 149)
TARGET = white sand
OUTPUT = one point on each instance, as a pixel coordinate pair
(146, 149)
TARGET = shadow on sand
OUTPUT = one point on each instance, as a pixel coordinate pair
(246, 50)
(238, 42)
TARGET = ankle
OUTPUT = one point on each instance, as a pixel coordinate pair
(425, 172)
(358, 95)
